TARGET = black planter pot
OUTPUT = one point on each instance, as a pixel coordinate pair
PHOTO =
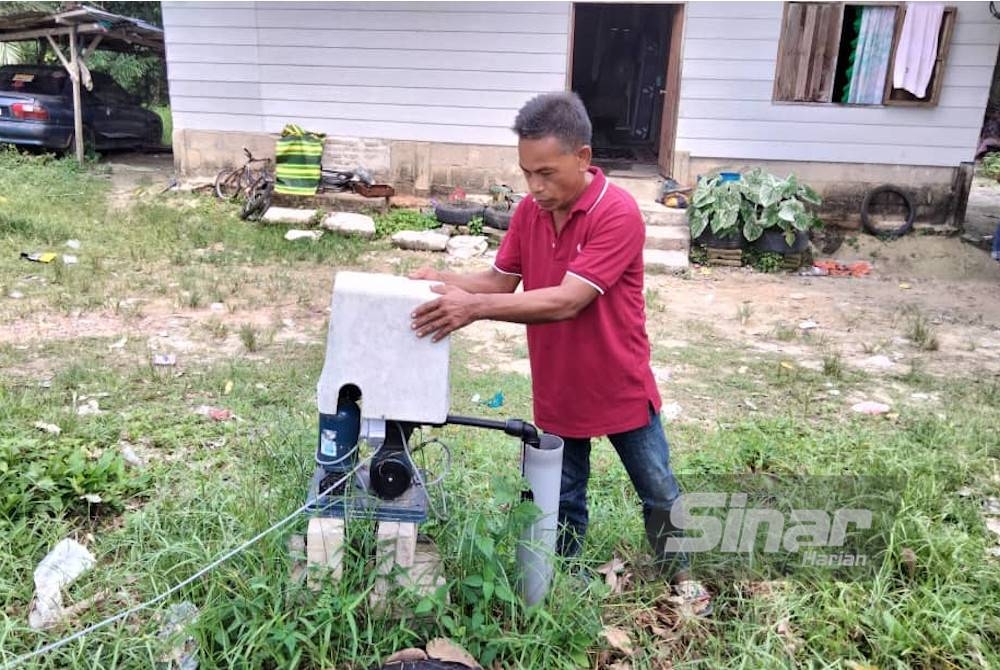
(773, 240)
(709, 239)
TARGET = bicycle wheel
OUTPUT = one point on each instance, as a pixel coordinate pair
(227, 184)
(258, 203)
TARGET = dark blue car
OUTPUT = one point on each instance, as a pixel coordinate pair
(36, 110)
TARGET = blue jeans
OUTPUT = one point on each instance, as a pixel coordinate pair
(645, 454)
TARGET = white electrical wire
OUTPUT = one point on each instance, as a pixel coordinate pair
(441, 515)
(208, 568)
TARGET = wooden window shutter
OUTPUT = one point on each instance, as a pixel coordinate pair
(807, 51)
(898, 96)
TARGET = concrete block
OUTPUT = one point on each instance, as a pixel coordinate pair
(324, 550)
(289, 215)
(422, 240)
(659, 261)
(668, 238)
(349, 223)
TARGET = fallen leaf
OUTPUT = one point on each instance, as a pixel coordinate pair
(214, 413)
(443, 649)
(909, 560)
(619, 639)
(851, 665)
(229, 388)
(615, 565)
(410, 654)
(787, 365)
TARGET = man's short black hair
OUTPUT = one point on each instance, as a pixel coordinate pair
(560, 115)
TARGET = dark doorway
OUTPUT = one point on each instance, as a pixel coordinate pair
(620, 56)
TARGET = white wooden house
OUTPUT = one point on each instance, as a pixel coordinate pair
(424, 93)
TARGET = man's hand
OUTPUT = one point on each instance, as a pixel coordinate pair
(453, 310)
(426, 272)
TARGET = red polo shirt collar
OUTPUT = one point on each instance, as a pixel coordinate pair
(593, 191)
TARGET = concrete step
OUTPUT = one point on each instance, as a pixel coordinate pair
(660, 261)
(644, 188)
(656, 214)
(668, 238)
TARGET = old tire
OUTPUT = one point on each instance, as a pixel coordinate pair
(774, 240)
(713, 241)
(498, 218)
(891, 233)
(458, 213)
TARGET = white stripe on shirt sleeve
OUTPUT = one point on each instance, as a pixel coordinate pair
(587, 281)
(504, 272)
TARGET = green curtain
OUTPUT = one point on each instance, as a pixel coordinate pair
(298, 154)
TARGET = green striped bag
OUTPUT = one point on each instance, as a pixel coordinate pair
(297, 161)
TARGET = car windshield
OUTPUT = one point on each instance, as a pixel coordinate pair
(32, 81)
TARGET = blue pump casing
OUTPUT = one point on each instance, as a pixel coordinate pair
(338, 436)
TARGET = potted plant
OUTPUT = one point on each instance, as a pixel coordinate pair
(715, 213)
(776, 217)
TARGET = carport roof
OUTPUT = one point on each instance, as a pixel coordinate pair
(118, 33)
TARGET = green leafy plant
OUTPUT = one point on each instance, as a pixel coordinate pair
(396, 220)
(776, 203)
(41, 476)
(991, 165)
(763, 261)
(716, 205)
(475, 225)
(698, 255)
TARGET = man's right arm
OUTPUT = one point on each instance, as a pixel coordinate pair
(488, 281)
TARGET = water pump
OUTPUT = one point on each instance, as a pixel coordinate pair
(379, 384)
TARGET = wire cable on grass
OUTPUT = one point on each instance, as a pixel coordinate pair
(177, 587)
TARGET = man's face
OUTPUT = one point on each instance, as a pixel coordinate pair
(556, 177)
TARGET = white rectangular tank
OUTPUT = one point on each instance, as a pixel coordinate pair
(370, 344)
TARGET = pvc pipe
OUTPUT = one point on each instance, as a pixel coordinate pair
(542, 467)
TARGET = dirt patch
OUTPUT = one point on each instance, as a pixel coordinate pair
(133, 174)
(921, 258)
(946, 286)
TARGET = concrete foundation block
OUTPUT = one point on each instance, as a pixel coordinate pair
(324, 550)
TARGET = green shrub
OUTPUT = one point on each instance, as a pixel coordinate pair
(396, 220)
(41, 475)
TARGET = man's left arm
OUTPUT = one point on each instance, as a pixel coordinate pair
(601, 262)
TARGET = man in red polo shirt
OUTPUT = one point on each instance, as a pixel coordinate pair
(576, 244)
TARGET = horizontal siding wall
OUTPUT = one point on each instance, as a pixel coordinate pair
(422, 71)
(727, 79)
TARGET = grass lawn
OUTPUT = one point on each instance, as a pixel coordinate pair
(206, 486)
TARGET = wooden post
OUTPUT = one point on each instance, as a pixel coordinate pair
(74, 73)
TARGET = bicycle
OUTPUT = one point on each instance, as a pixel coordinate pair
(258, 197)
(229, 184)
